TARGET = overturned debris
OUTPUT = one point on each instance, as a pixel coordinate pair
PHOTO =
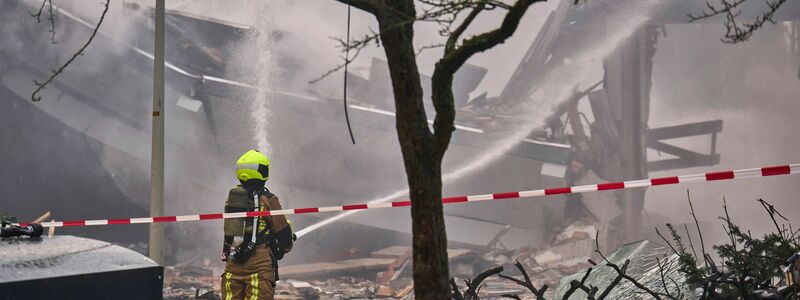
(68, 267)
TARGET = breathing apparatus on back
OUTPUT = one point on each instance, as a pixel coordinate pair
(242, 235)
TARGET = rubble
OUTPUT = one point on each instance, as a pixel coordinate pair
(386, 273)
(191, 282)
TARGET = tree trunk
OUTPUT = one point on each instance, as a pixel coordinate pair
(421, 157)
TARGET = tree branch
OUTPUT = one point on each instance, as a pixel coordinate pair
(539, 293)
(38, 15)
(427, 47)
(667, 242)
(456, 292)
(736, 33)
(575, 285)
(772, 212)
(40, 86)
(699, 232)
(456, 58)
(622, 273)
(338, 67)
(713, 11)
(442, 79)
(664, 278)
(50, 18)
(473, 286)
(452, 40)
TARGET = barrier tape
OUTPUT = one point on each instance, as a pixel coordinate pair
(705, 177)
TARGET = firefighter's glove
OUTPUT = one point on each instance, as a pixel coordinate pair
(278, 252)
(242, 254)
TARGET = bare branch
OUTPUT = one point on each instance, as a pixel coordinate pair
(448, 8)
(663, 278)
(456, 34)
(699, 232)
(576, 285)
(347, 61)
(511, 296)
(34, 96)
(487, 40)
(772, 213)
(735, 32)
(474, 285)
(456, 292)
(727, 219)
(442, 12)
(689, 237)
(428, 47)
(50, 18)
(442, 94)
(446, 12)
(613, 283)
(622, 273)
(38, 15)
(527, 283)
(713, 11)
(667, 242)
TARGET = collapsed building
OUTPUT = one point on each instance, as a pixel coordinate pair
(97, 119)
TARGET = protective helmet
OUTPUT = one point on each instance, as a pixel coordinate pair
(252, 165)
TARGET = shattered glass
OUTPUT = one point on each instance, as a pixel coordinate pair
(645, 257)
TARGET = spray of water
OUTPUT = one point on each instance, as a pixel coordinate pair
(259, 110)
(558, 84)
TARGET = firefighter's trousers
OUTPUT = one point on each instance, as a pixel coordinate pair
(247, 287)
(252, 280)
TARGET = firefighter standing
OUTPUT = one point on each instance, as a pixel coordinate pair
(253, 246)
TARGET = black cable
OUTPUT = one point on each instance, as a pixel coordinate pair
(346, 63)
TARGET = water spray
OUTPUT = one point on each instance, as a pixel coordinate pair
(562, 82)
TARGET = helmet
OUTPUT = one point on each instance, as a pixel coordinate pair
(252, 165)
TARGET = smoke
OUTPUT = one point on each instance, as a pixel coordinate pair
(313, 161)
(103, 103)
(58, 134)
(558, 86)
(753, 88)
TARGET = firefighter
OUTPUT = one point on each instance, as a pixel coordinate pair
(253, 246)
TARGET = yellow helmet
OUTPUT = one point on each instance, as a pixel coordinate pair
(252, 165)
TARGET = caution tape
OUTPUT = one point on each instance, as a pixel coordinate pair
(704, 177)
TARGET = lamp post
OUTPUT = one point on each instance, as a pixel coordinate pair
(156, 240)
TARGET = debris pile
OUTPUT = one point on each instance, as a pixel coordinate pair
(386, 273)
(191, 282)
(338, 288)
(566, 254)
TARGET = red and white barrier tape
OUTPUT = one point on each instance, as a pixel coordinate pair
(712, 176)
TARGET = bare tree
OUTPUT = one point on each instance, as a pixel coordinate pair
(422, 148)
(738, 31)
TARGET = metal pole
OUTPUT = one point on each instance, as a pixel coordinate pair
(157, 150)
